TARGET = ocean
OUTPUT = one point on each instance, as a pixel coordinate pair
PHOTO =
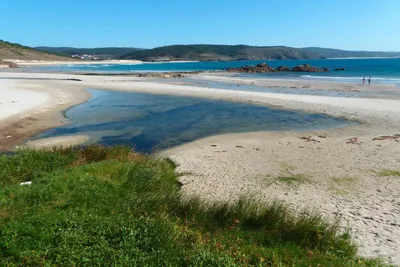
(381, 70)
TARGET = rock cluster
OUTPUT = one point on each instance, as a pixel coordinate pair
(308, 68)
(340, 69)
(263, 68)
(166, 74)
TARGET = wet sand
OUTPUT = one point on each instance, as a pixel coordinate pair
(341, 172)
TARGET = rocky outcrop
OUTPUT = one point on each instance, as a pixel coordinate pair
(340, 69)
(162, 75)
(264, 68)
(308, 68)
(10, 64)
(166, 74)
(259, 68)
(283, 68)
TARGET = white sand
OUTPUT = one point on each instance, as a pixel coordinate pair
(15, 101)
(297, 83)
(71, 62)
(31, 106)
(339, 170)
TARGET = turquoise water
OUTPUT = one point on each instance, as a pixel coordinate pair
(382, 70)
(152, 122)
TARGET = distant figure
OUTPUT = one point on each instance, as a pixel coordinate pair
(369, 80)
(364, 80)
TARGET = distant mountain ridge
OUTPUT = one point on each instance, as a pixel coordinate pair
(106, 52)
(220, 53)
(16, 51)
(201, 52)
(338, 53)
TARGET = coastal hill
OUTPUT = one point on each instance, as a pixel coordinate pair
(337, 53)
(181, 52)
(15, 51)
(103, 52)
(220, 53)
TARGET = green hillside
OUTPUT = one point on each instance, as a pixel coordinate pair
(337, 53)
(13, 51)
(220, 53)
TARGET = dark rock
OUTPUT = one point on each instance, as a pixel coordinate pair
(308, 68)
(72, 79)
(165, 74)
(264, 68)
(283, 68)
(259, 68)
(261, 65)
(340, 69)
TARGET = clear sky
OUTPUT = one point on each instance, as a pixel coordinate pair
(345, 24)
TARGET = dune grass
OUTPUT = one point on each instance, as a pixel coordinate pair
(110, 207)
(292, 179)
(389, 173)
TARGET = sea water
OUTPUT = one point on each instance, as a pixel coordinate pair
(152, 122)
(382, 70)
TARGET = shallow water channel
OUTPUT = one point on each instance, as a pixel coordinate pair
(153, 122)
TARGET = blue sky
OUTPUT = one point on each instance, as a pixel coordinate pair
(346, 24)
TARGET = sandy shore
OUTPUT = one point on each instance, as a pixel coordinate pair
(26, 63)
(297, 84)
(31, 106)
(340, 171)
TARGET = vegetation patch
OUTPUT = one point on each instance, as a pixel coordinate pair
(108, 206)
(389, 173)
(343, 185)
(292, 179)
(345, 181)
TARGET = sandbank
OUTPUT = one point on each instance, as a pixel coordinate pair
(31, 106)
(26, 63)
(56, 142)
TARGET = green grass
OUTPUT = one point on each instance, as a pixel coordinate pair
(292, 179)
(389, 173)
(343, 185)
(99, 206)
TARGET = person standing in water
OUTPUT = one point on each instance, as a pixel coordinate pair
(364, 80)
(369, 80)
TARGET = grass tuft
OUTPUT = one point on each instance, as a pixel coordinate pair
(389, 173)
(292, 179)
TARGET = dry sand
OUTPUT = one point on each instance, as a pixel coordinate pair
(336, 171)
(297, 83)
(31, 106)
(26, 63)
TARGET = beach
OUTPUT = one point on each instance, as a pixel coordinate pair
(26, 63)
(350, 173)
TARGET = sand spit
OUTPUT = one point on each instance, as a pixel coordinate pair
(26, 63)
(31, 106)
(352, 172)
